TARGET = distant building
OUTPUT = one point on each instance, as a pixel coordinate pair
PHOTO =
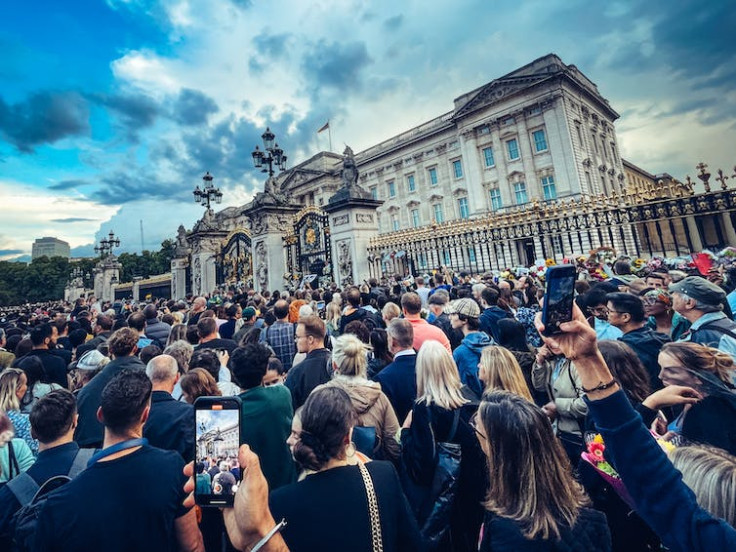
(50, 247)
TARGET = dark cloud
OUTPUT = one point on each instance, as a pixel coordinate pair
(271, 45)
(393, 23)
(193, 107)
(43, 118)
(134, 111)
(73, 219)
(337, 65)
(67, 184)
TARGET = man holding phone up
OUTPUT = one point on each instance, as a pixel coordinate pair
(130, 496)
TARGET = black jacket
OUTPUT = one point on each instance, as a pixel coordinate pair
(89, 431)
(589, 533)
(399, 382)
(170, 425)
(647, 343)
(53, 365)
(314, 370)
(444, 324)
(92, 344)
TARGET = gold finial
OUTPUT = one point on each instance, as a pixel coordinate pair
(722, 179)
(704, 175)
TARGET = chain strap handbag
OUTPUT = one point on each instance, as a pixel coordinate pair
(370, 491)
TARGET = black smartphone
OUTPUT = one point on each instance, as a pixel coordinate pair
(558, 298)
(217, 440)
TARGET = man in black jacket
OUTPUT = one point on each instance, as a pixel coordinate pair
(122, 343)
(102, 329)
(170, 424)
(54, 366)
(437, 303)
(316, 368)
(626, 312)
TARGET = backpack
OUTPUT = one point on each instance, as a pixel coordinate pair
(32, 498)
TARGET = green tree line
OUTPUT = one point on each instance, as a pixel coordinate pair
(44, 279)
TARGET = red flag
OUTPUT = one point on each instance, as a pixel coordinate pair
(703, 262)
(325, 127)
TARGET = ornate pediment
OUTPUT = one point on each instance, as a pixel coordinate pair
(498, 90)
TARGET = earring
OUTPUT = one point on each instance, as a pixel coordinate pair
(350, 450)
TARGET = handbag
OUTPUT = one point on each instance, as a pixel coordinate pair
(432, 504)
(370, 491)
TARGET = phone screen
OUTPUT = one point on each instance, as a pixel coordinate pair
(320, 305)
(559, 297)
(217, 440)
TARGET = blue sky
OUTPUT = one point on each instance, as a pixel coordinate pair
(111, 111)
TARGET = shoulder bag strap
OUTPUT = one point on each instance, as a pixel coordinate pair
(81, 459)
(376, 536)
(114, 449)
(12, 461)
(24, 487)
(712, 325)
(453, 429)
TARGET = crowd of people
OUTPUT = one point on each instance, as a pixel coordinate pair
(407, 413)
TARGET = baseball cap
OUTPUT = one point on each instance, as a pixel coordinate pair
(466, 307)
(699, 289)
(92, 360)
(249, 312)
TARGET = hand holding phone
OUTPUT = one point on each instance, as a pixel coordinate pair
(558, 298)
(217, 440)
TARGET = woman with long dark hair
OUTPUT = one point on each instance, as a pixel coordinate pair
(533, 503)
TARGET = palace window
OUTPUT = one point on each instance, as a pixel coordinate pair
(548, 188)
(457, 168)
(415, 220)
(448, 260)
(613, 151)
(595, 142)
(410, 184)
(391, 188)
(488, 157)
(589, 182)
(462, 205)
(540, 140)
(496, 202)
(513, 148)
(439, 216)
(374, 192)
(394, 222)
(432, 176)
(520, 193)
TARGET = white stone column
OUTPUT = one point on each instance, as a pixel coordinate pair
(473, 174)
(533, 187)
(179, 277)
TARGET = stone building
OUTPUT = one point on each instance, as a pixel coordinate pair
(50, 247)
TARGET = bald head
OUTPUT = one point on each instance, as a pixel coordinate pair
(199, 304)
(281, 309)
(163, 371)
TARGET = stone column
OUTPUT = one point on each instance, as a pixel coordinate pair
(474, 174)
(269, 222)
(728, 227)
(692, 229)
(353, 223)
(179, 268)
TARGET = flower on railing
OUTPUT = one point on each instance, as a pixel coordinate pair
(550, 262)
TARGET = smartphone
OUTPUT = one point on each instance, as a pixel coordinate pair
(217, 440)
(320, 305)
(559, 297)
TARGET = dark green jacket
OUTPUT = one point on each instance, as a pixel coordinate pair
(265, 427)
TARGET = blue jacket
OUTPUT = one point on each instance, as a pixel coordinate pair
(467, 356)
(399, 382)
(663, 501)
(489, 320)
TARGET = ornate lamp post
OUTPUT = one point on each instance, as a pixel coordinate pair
(106, 246)
(271, 156)
(208, 192)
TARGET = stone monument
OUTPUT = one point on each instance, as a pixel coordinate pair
(179, 265)
(353, 222)
(204, 240)
(269, 214)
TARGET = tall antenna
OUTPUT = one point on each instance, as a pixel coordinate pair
(141, 236)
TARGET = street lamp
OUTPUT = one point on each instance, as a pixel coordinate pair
(208, 192)
(106, 245)
(272, 155)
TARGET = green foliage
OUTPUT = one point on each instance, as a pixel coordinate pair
(44, 279)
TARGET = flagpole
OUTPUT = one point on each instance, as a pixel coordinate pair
(329, 133)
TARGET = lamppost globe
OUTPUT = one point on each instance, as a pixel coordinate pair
(271, 155)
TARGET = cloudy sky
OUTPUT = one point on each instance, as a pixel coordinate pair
(111, 111)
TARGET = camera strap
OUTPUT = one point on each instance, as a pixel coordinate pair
(117, 447)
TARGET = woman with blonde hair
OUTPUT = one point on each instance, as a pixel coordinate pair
(442, 413)
(178, 332)
(13, 387)
(533, 497)
(371, 404)
(15, 456)
(332, 321)
(697, 383)
(499, 370)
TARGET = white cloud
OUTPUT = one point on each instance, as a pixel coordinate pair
(30, 213)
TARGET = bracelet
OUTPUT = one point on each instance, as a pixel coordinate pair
(600, 387)
(261, 543)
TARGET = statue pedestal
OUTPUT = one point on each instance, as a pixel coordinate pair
(353, 222)
(179, 268)
(268, 222)
(104, 272)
